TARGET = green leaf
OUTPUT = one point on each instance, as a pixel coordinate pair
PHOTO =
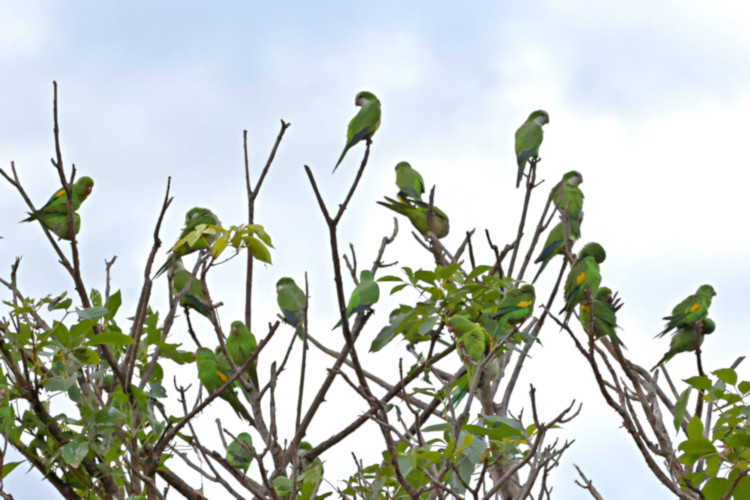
(60, 333)
(117, 339)
(744, 387)
(8, 468)
(109, 415)
(96, 297)
(74, 452)
(113, 304)
(219, 245)
(680, 407)
(695, 428)
(701, 383)
(738, 440)
(259, 250)
(715, 488)
(727, 375)
(93, 313)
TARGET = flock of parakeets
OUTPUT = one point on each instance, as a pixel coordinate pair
(597, 305)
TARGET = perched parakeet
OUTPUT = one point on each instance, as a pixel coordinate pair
(605, 306)
(57, 204)
(409, 182)
(364, 295)
(417, 214)
(684, 340)
(516, 306)
(365, 122)
(528, 139)
(584, 274)
(213, 371)
(58, 224)
(568, 199)
(553, 246)
(194, 298)
(240, 345)
(292, 302)
(471, 340)
(690, 310)
(194, 218)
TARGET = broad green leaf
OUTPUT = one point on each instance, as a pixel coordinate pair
(86, 355)
(715, 488)
(74, 452)
(113, 304)
(744, 387)
(727, 375)
(695, 428)
(110, 337)
(93, 313)
(259, 250)
(699, 382)
(96, 297)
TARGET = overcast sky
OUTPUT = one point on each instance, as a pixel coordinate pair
(647, 99)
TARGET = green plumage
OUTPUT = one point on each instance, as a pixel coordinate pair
(365, 294)
(58, 224)
(292, 302)
(241, 345)
(57, 204)
(553, 246)
(690, 310)
(583, 275)
(528, 139)
(605, 307)
(568, 200)
(364, 124)
(213, 372)
(195, 298)
(409, 182)
(516, 306)
(194, 218)
(471, 341)
(684, 340)
(417, 214)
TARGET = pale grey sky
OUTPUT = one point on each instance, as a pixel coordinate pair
(647, 99)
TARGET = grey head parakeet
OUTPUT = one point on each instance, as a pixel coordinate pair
(528, 139)
(583, 275)
(193, 218)
(417, 214)
(365, 122)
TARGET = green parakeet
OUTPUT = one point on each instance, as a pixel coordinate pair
(194, 218)
(365, 122)
(471, 341)
(528, 139)
(58, 224)
(311, 475)
(684, 340)
(690, 310)
(194, 298)
(553, 246)
(57, 204)
(417, 214)
(584, 274)
(364, 295)
(605, 306)
(292, 302)
(409, 182)
(568, 199)
(213, 371)
(516, 306)
(241, 345)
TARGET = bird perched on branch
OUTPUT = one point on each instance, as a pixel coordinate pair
(605, 306)
(583, 275)
(409, 182)
(365, 122)
(292, 302)
(57, 204)
(568, 199)
(690, 310)
(417, 214)
(528, 139)
(686, 339)
(195, 298)
(193, 218)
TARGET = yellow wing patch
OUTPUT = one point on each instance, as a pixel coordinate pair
(581, 277)
(524, 303)
(222, 376)
(693, 308)
(60, 193)
(584, 308)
